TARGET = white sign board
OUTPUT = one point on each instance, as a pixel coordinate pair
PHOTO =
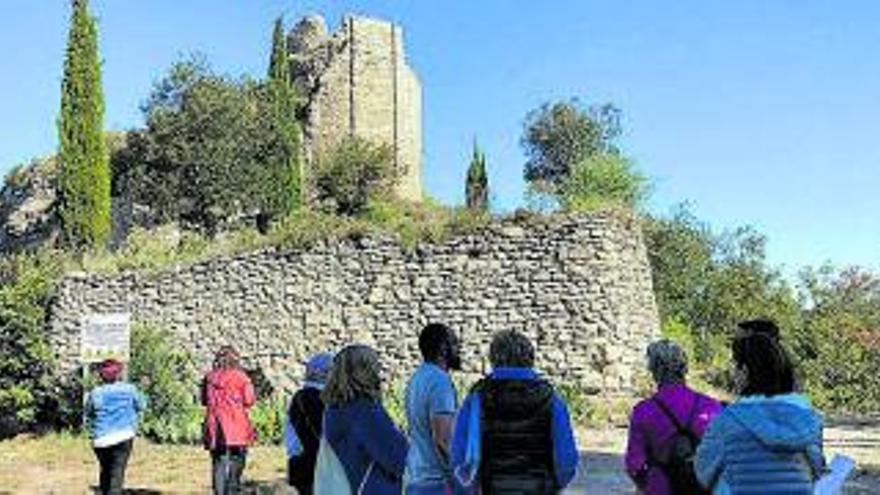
(104, 336)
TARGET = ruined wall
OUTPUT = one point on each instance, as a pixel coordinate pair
(579, 286)
(356, 81)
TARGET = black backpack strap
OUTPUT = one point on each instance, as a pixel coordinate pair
(682, 429)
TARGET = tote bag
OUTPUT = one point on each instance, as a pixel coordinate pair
(330, 477)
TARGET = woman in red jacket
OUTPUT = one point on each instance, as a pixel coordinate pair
(227, 394)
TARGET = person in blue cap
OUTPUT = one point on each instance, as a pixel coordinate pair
(305, 416)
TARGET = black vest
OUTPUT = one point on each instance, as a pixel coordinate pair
(517, 439)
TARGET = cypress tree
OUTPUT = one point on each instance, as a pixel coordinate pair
(288, 195)
(477, 183)
(84, 181)
(278, 66)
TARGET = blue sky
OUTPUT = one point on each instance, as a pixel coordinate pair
(761, 113)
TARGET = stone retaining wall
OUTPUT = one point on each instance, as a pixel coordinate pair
(579, 286)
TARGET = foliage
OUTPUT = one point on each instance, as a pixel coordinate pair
(85, 169)
(157, 249)
(600, 181)
(706, 282)
(268, 417)
(213, 150)
(594, 410)
(279, 68)
(477, 183)
(354, 173)
(286, 195)
(169, 380)
(420, 222)
(27, 391)
(681, 334)
(839, 342)
(710, 281)
(394, 400)
(559, 136)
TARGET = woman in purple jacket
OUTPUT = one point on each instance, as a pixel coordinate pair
(653, 423)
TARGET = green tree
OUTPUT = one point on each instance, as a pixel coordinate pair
(353, 174)
(839, 341)
(278, 64)
(603, 180)
(559, 136)
(286, 195)
(85, 164)
(477, 183)
(709, 281)
(211, 151)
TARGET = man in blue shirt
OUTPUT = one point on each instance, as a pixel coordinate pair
(430, 410)
(513, 433)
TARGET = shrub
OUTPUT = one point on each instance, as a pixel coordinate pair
(27, 392)
(594, 410)
(354, 173)
(602, 181)
(170, 384)
(268, 417)
(579, 407)
(394, 400)
(414, 223)
(681, 334)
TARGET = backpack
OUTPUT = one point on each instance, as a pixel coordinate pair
(679, 463)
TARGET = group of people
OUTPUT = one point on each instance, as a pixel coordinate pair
(767, 441)
(511, 434)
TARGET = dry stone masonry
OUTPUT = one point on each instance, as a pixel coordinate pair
(356, 82)
(579, 286)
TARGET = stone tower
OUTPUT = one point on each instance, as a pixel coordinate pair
(356, 82)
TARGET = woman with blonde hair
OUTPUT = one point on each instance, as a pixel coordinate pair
(362, 451)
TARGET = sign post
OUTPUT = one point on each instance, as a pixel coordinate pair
(103, 336)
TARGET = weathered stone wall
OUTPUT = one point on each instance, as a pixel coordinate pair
(580, 287)
(356, 81)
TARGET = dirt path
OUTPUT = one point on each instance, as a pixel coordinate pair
(65, 465)
(601, 470)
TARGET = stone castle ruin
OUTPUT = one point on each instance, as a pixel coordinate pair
(579, 286)
(356, 82)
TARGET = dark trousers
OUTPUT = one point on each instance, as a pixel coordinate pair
(113, 460)
(301, 474)
(228, 465)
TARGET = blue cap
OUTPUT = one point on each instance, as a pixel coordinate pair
(318, 368)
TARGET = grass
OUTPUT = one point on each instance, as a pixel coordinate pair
(410, 223)
(64, 463)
